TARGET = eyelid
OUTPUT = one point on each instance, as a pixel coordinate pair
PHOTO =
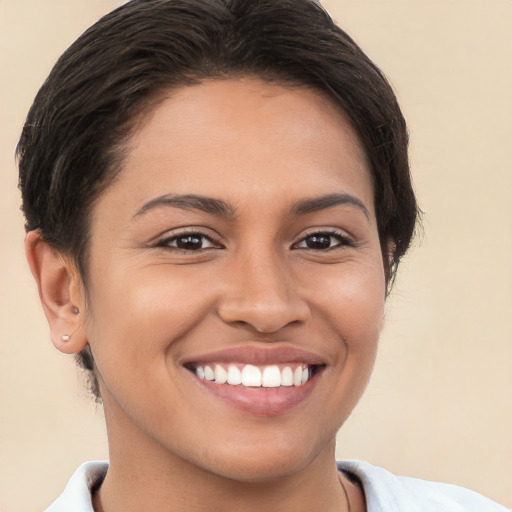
(343, 236)
(162, 240)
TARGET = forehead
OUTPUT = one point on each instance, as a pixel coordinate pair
(244, 137)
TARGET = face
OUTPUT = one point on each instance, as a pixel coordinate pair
(239, 242)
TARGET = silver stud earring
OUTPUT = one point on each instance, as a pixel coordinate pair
(65, 337)
(76, 310)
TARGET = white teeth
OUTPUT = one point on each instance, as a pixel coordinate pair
(270, 376)
(221, 375)
(234, 375)
(297, 376)
(251, 376)
(209, 374)
(200, 372)
(287, 376)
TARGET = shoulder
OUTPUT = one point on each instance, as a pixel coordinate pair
(77, 494)
(386, 492)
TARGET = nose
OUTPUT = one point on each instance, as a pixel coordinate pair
(261, 293)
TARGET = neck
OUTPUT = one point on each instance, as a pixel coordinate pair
(140, 479)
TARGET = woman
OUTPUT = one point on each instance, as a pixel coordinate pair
(217, 196)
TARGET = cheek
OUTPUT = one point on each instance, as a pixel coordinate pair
(353, 299)
(140, 314)
(355, 316)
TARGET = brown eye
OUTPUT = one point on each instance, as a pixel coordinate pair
(188, 242)
(323, 241)
(318, 242)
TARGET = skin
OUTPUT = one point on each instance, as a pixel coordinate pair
(261, 149)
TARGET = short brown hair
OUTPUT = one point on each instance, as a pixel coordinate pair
(72, 143)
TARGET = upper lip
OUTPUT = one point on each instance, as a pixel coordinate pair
(256, 356)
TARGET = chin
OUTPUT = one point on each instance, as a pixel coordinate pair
(261, 471)
(265, 461)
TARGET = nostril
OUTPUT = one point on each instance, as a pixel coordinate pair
(266, 326)
(264, 317)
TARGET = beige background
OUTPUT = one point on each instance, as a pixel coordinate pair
(439, 405)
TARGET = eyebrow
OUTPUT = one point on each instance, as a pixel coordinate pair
(189, 202)
(219, 207)
(316, 204)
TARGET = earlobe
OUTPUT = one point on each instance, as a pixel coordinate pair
(59, 285)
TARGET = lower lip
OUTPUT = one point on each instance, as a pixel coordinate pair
(259, 401)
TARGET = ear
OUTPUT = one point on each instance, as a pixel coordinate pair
(388, 254)
(61, 293)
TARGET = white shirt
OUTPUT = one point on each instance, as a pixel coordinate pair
(384, 491)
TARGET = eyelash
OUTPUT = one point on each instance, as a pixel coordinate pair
(165, 243)
(342, 239)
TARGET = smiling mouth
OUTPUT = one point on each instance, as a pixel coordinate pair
(252, 376)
